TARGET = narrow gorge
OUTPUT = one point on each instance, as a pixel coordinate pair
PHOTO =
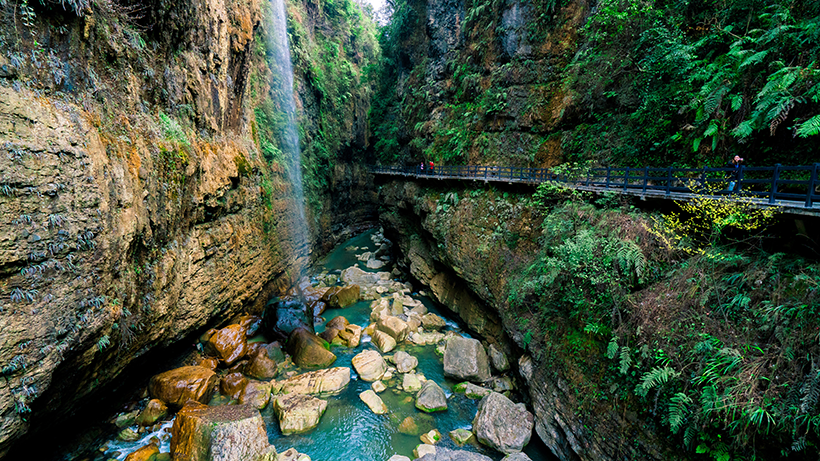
(198, 262)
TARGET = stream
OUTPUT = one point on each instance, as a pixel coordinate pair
(349, 429)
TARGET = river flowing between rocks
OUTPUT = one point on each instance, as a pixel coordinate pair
(348, 428)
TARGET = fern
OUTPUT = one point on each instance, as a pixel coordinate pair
(654, 378)
(678, 409)
(811, 391)
(779, 114)
(808, 128)
(626, 360)
(612, 348)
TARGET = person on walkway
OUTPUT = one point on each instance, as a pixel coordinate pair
(431, 168)
(734, 174)
(421, 168)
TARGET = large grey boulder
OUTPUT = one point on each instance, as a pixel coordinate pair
(405, 362)
(431, 397)
(465, 359)
(499, 359)
(444, 454)
(502, 424)
(203, 433)
(517, 457)
(370, 365)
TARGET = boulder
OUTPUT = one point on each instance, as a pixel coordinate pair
(355, 276)
(144, 453)
(432, 322)
(423, 449)
(378, 387)
(153, 412)
(465, 359)
(394, 326)
(498, 359)
(126, 419)
(176, 387)
(282, 317)
(516, 457)
(373, 401)
(383, 341)
(419, 309)
(298, 413)
(375, 264)
(256, 394)
(405, 362)
(431, 397)
(209, 362)
(351, 335)
(471, 391)
(502, 424)
(411, 383)
(228, 344)
(443, 454)
(345, 297)
(232, 385)
(370, 365)
(502, 384)
(128, 435)
(309, 350)
(397, 306)
(203, 433)
(413, 322)
(292, 455)
(424, 339)
(327, 381)
(431, 438)
(261, 366)
(329, 334)
(337, 322)
(461, 436)
(250, 323)
(399, 458)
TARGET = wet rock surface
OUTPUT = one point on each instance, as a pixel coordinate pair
(466, 359)
(178, 386)
(298, 413)
(203, 433)
(502, 424)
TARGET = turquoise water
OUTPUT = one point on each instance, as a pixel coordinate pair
(349, 430)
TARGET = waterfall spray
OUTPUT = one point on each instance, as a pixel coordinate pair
(290, 138)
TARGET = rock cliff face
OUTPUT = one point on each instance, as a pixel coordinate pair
(479, 82)
(450, 244)
(136, 205)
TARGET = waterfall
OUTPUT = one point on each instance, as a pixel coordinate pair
(283, 87)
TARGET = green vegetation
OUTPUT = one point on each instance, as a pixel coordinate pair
(666, 82)
(720, 347)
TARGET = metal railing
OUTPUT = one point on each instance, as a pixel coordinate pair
(792, 186)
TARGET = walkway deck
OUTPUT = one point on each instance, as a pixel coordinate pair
(796, 189)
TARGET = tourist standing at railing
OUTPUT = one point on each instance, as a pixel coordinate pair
(734, 174)
(421, 168)
(431, 168)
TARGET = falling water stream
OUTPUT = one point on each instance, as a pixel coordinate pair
(282, 84)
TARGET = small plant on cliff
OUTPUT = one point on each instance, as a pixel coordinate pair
(708, 216)
(103, 342)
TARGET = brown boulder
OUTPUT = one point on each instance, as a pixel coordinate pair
(298, 413)
(203, 433)
(175, 387)
(232, 385)
(329, 334)
(394, 326)
(347, 296)
(309, 350)
(261, 366)
(209, 363)
(228, 344)
(351, 335)
(383, 341)
(256, 394)
(152, 412)
(144, 454)
(337, 322)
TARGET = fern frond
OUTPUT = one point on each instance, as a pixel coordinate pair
(654, 378)
(612, 348)
(808, 128)
(626, 360)
(811, 391)
(688, 436)
(678, 409)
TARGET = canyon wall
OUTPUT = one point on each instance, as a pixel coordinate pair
(137, 202)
